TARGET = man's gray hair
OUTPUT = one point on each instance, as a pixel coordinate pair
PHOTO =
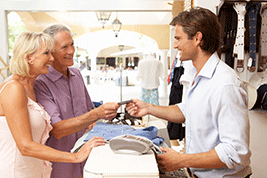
(53, 29)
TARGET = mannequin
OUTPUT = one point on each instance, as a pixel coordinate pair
(149, 71)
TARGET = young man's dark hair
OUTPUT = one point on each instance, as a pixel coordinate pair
(204, 21)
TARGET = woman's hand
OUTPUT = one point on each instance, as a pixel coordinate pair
(87, 148)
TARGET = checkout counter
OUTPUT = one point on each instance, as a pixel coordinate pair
(104, 163)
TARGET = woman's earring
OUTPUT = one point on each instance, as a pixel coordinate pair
(31, 62)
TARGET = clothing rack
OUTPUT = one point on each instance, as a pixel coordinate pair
(247, 71)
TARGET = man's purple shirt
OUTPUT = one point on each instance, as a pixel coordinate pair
(63, 99)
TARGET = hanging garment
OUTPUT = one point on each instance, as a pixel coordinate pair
(252, 12)
(176, 130)
(150, 96)
(263, 38)
(228, 19)
(170, 76)
(240, 9)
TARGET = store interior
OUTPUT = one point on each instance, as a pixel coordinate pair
(109, 50)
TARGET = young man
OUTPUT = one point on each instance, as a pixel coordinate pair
(215, 111)
(64, 96)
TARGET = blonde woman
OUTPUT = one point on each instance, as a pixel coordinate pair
(24, 124)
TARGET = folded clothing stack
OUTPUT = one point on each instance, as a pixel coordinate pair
(109, 131)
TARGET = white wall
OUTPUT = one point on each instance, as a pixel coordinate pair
(258, 143)
(207, 4)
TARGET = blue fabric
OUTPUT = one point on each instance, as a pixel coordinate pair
(109, 131)
(252, 10)
(150, 96)
(172, 70)
(97, 104)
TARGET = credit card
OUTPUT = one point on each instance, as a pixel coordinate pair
(125, 102)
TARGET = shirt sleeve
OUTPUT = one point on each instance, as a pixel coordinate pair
(89, 102)
(233, 126)
(139, 71)
(45, 98)
(163, 76)
(182, 107)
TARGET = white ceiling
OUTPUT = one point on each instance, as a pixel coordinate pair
(89, 19)
(82, 12)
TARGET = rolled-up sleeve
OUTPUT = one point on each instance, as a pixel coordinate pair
(182, 107)
(233, 125)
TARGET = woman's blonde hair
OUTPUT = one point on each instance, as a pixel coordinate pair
(28, 43)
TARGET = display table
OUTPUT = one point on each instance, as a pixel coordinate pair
(104, 163)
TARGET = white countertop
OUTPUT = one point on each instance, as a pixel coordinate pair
(104, 163)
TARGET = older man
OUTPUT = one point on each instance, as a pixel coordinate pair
(64, 96)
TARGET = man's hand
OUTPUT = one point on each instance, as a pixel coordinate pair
(170, 160)
(107, 111)
(137, 108)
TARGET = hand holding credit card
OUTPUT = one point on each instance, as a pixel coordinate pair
(125, 102)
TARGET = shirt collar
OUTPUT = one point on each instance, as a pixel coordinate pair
(209, 68)
(55, 75)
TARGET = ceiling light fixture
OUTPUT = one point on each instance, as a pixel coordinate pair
(121, 47)
(103, 17)
(116, 25)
